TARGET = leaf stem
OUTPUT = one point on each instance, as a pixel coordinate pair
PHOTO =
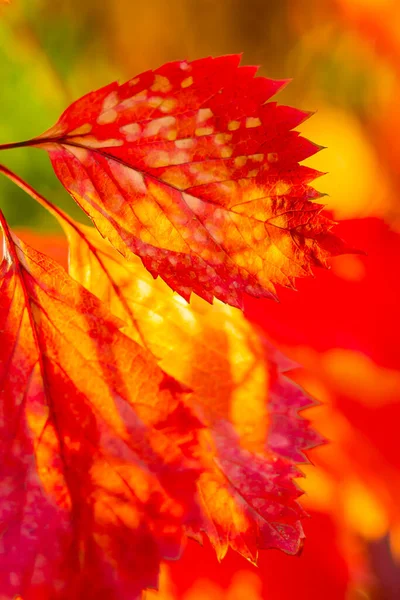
(18, 144)
(30, 190)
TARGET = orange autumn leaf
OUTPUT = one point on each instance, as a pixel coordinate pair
(192, 169)
(254, 435)
(96, 444)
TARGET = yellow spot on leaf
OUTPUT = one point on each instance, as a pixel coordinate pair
(107, 117)
(240, 161)
(253, 122)
(82, 130)
(232, 125)
(200, 131)
(185, 144)
(131, 131)
(154, 127)
(187, 82)
(155, 101)
(161, 84)
(226, 152)
(204, 114)
(168, 105)
(222, 138)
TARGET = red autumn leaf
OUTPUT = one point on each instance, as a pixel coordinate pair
(254, 434)
(190, 168)
(96, 443)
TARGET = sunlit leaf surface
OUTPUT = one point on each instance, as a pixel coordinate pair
(192, 169)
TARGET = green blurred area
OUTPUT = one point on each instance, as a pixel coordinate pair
(51, 52)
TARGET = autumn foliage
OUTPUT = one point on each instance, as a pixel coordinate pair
(139, 407)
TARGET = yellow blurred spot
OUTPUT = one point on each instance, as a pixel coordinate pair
(355, 183)
(319, 487)
(363, 510)
(354, 374)
(349, 267)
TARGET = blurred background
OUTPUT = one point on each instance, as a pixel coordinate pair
(343, 327)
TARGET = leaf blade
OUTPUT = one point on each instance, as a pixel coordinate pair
(191, 168)
(87, 457)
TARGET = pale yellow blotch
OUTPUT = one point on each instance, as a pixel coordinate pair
(184, 66)
(110, 101)
(134, 81)
(107, 117)
(201, 175)
(257, 157)
(204, 114)
(185, 144)
(168, 105)
(93, 142)
(253, 122)
(215, 233)
(137, 181)
(113, 143)
(233, 125)
(172, 135)
(155, 126)
(200, 131)
(179, 158)
(253, 173)
(134, 101)
(161, 84)
(155, 101)
(222, 138)
(158, 158)
(132, 131)
(80, 153)
(240, 161)
(193, 203)
(187, 82)
(272, 157)
(82, 130)
(226, 152)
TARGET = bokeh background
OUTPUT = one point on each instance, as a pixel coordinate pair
(344, 326)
